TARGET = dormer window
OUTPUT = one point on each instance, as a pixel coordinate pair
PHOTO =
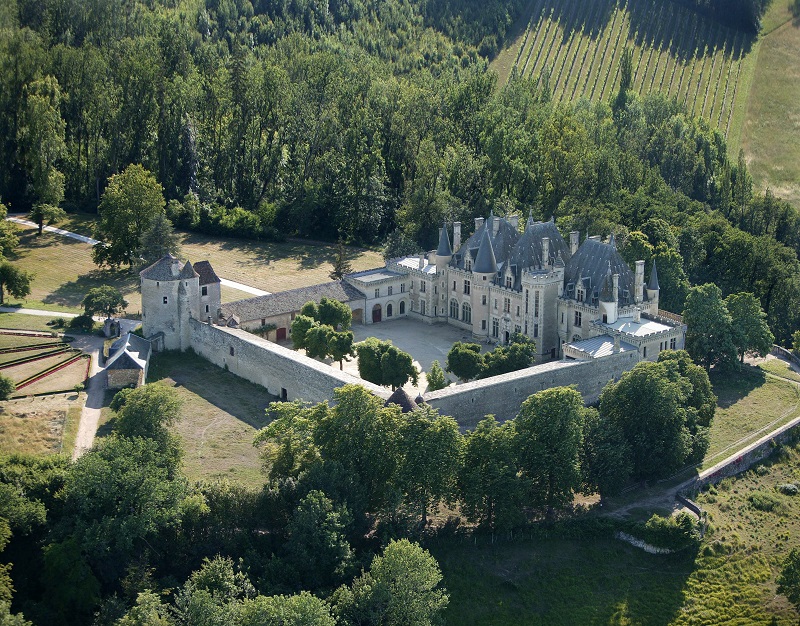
(509, 282)
(579, 296)
(468, 264)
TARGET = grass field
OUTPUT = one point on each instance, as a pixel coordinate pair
(731, 580)
(43, 425)
(675, 51)
(779, 368)
(219, 417)
(771, 127)
(64, 270)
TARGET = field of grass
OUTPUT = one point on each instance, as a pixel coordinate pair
(675, 51)
(42, 425)
(64, 270)
(21, 321)
(749, 405)
(771, 127)
(220, 415)
(730, 580)
(779, 368)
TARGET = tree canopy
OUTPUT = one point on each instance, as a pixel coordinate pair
(105, 300)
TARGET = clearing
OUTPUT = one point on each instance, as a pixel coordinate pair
(41, 425)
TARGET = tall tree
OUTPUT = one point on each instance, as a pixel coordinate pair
(15, 281)
(341, 264)
(435, 377)
(106, 300)
(130, 203)
(549, 433)
(751, 334)
(464, 360)
(789, 578)
(709, 334)
(157, 240)
(382, 363)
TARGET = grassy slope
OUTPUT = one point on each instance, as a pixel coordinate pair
(771, 128)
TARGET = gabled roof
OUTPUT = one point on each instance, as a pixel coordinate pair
(291, 301)
(207, 274)
(485, 262)
(129, 352)
(166, 268)
(401, 398)
(503, 241)
(444, 243)
(652, 285)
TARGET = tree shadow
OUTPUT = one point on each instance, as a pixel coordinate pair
(730, 388)
(72, 292)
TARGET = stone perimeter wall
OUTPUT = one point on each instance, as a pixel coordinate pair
(270, 365)
(503, 395)
(277, 368)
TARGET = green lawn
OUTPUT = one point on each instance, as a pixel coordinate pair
(780, 368)
(771, 131)
(21, 321)
(220, 415)
(731, 580)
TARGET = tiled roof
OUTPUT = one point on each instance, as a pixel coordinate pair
(290, 301)
(129, 352)
(207, 274)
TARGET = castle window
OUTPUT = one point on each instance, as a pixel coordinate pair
(389, 310)
(644, 352)
(422, 286)
(378, 292)
(535, 330)
(483, 324)
(495, 304)
(158, 284)
(422, 307)
(263, 319)
(578, 318)
(166, 300)
(231, 350)
(454, 309)
(402, 307)
(536, 304)
(466, 313)
(672, 343)
(509, 282)
(495, 328)
(517, 310)
(204, 290)
(206, 308)
(468, 265)
(390, 290)
(506, 305)
(605, 318)
(579, 297)
(526, 302)
(483, 299)
(435, 289)
(466, 287)
(454, 285)
(562, 317)
(517, 329)
(402, 287)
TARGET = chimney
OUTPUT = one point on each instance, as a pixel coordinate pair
(209, 320)
(456, 236)
(638, 283)
(545, 252)
(615, 286)
(421, 260)
(616, 343)
(478, 223)
(574, 241)
(596, 238)
(495, 225)
(637, 315)
(514, 221)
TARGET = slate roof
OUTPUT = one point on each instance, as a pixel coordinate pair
(653, 284)
(129, 352)
(188, 272)
(503, 242)
(485, 260)
(607, 292)
(166, 268)
(207, 274)
(401, 398)
(444, 243)
(589, 266)
(598, 347)
(290, 301)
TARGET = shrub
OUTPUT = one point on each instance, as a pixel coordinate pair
(83, 323)
(789, 489)
(7, 387)
(673, 533)
(766, 501)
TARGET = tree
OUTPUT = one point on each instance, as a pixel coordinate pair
(400, 589)
(106, 300)
(751, 334)
(301, 324)
(148, 411)
(7, 387)
(148, 611)
(213, 594)
(15, 281)
(316, 547)
(464, 360)
(789, 578)
(46, 214)
(490, 486)
(341, 264)
(340, 346)
(316, 340)
(796, 342)
(549, 433)
(380, 362)
(431, 452)
(650, 407)
(334, 313)
(302, 609)
(605, 458)
(129, 205)
(709, 333)
(517, 355)
(157, 240)
(436, 378)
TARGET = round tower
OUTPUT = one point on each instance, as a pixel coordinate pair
(169, 299)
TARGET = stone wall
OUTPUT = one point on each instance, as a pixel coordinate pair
(283, 372)
(503, 395)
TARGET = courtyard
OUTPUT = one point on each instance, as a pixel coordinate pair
(424, 342)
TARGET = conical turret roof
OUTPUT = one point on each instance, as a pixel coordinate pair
(607, 292)
(401, 398)
(653, 284)
(485, 262)
(444, 248)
